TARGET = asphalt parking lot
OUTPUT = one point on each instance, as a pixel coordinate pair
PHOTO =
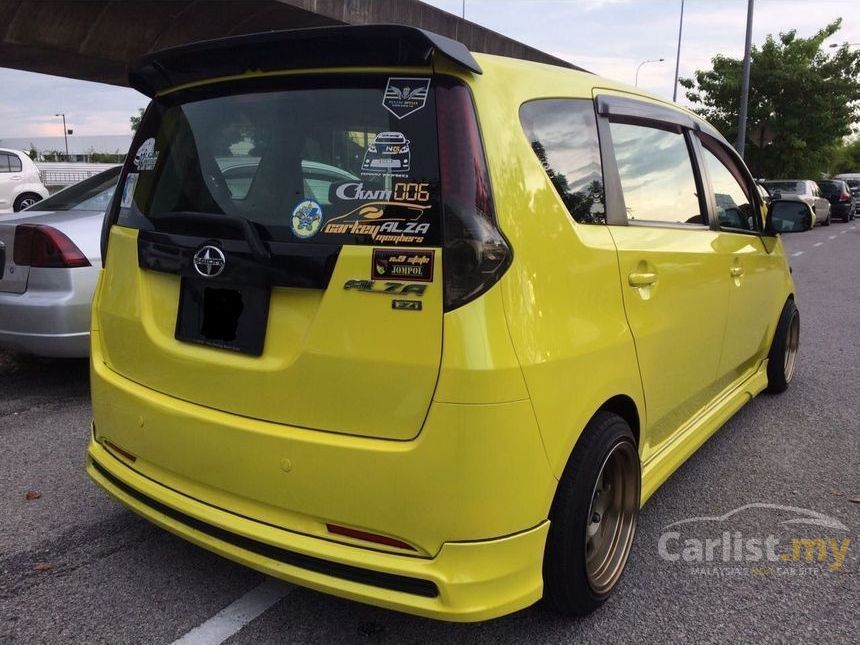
(76, 567)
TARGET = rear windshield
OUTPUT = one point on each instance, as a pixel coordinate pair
(338, 160)
(784, 186)
(830, 187)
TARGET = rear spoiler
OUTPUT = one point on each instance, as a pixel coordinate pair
(339, 46)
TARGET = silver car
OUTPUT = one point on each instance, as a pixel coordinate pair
(49, 265)
(804, 190)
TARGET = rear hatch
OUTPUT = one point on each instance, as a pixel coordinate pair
(277, 252)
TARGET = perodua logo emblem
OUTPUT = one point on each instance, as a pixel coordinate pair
(209, 261)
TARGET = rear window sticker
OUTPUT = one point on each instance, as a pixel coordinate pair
(128, 190)
(402, 192)
(388, 153)
(146, 155)
(306, 219)
(402, 265)
(404, 96)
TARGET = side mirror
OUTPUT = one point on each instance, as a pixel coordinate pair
(788, 216)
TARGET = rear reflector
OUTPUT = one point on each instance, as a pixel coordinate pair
(368, 537)
(115, 448)
(37, 245)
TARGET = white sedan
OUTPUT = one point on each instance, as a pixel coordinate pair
(49, 265)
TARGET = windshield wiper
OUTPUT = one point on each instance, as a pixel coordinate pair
(248, 228)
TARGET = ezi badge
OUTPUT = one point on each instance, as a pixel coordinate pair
(394, 264)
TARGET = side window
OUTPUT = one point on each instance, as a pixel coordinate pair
(4, 162)
(14, 163)
(656, 174)
(563, 135)
(735, 206)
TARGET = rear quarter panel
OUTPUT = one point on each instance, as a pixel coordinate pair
(562, 294)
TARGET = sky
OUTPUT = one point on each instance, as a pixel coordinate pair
(608, 37)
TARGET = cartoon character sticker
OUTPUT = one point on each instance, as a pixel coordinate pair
(405, 95)
(128, 190)
(306, 219)
(146, 155)
(388, 153)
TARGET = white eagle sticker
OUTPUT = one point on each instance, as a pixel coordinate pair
(404, 95)
(146, 155)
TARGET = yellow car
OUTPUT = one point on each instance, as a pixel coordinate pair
(445, 390)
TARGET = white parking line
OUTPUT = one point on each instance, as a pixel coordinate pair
(843, 232)
(818, 244)
(237, 614)
(794, 255)
(832, 237)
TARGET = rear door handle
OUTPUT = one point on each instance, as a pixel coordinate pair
(641, 279)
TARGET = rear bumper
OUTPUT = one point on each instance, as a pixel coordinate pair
(52, 317)
(463, 582)
(470, 494)
(840, 209)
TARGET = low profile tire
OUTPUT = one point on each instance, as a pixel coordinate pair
(782, 359)
(24, 200)
(593, 518)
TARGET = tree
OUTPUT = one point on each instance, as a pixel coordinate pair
(846, 158)
(806, 98)
(135, 120)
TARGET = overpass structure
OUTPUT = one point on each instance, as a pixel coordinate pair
(97, 39)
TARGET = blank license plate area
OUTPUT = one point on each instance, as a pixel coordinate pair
(228, 316)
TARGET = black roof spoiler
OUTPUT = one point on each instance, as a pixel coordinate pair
(338, 46)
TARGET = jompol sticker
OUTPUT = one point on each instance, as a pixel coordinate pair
(128, 190)
(306, 219)
(146, 155)
(404, 95)
(388, 153)
(414, 266)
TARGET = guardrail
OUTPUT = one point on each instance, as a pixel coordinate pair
(66, 174)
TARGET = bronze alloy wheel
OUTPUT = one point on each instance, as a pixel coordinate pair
(612, 517)
(792, 342)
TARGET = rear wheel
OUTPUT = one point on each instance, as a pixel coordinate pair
(25, 200)
(782, 359)
(593, 518)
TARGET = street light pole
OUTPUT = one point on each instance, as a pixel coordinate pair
(65, 133)
(745, 84)
(678, 56)
(653, 60)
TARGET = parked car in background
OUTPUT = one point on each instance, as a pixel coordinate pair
(49, 265)
(842, 202)
(805, 190)
(20, 181)
(853, 181)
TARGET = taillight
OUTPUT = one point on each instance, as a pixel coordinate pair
(37, 245)
(476, 253)
(844, 197)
